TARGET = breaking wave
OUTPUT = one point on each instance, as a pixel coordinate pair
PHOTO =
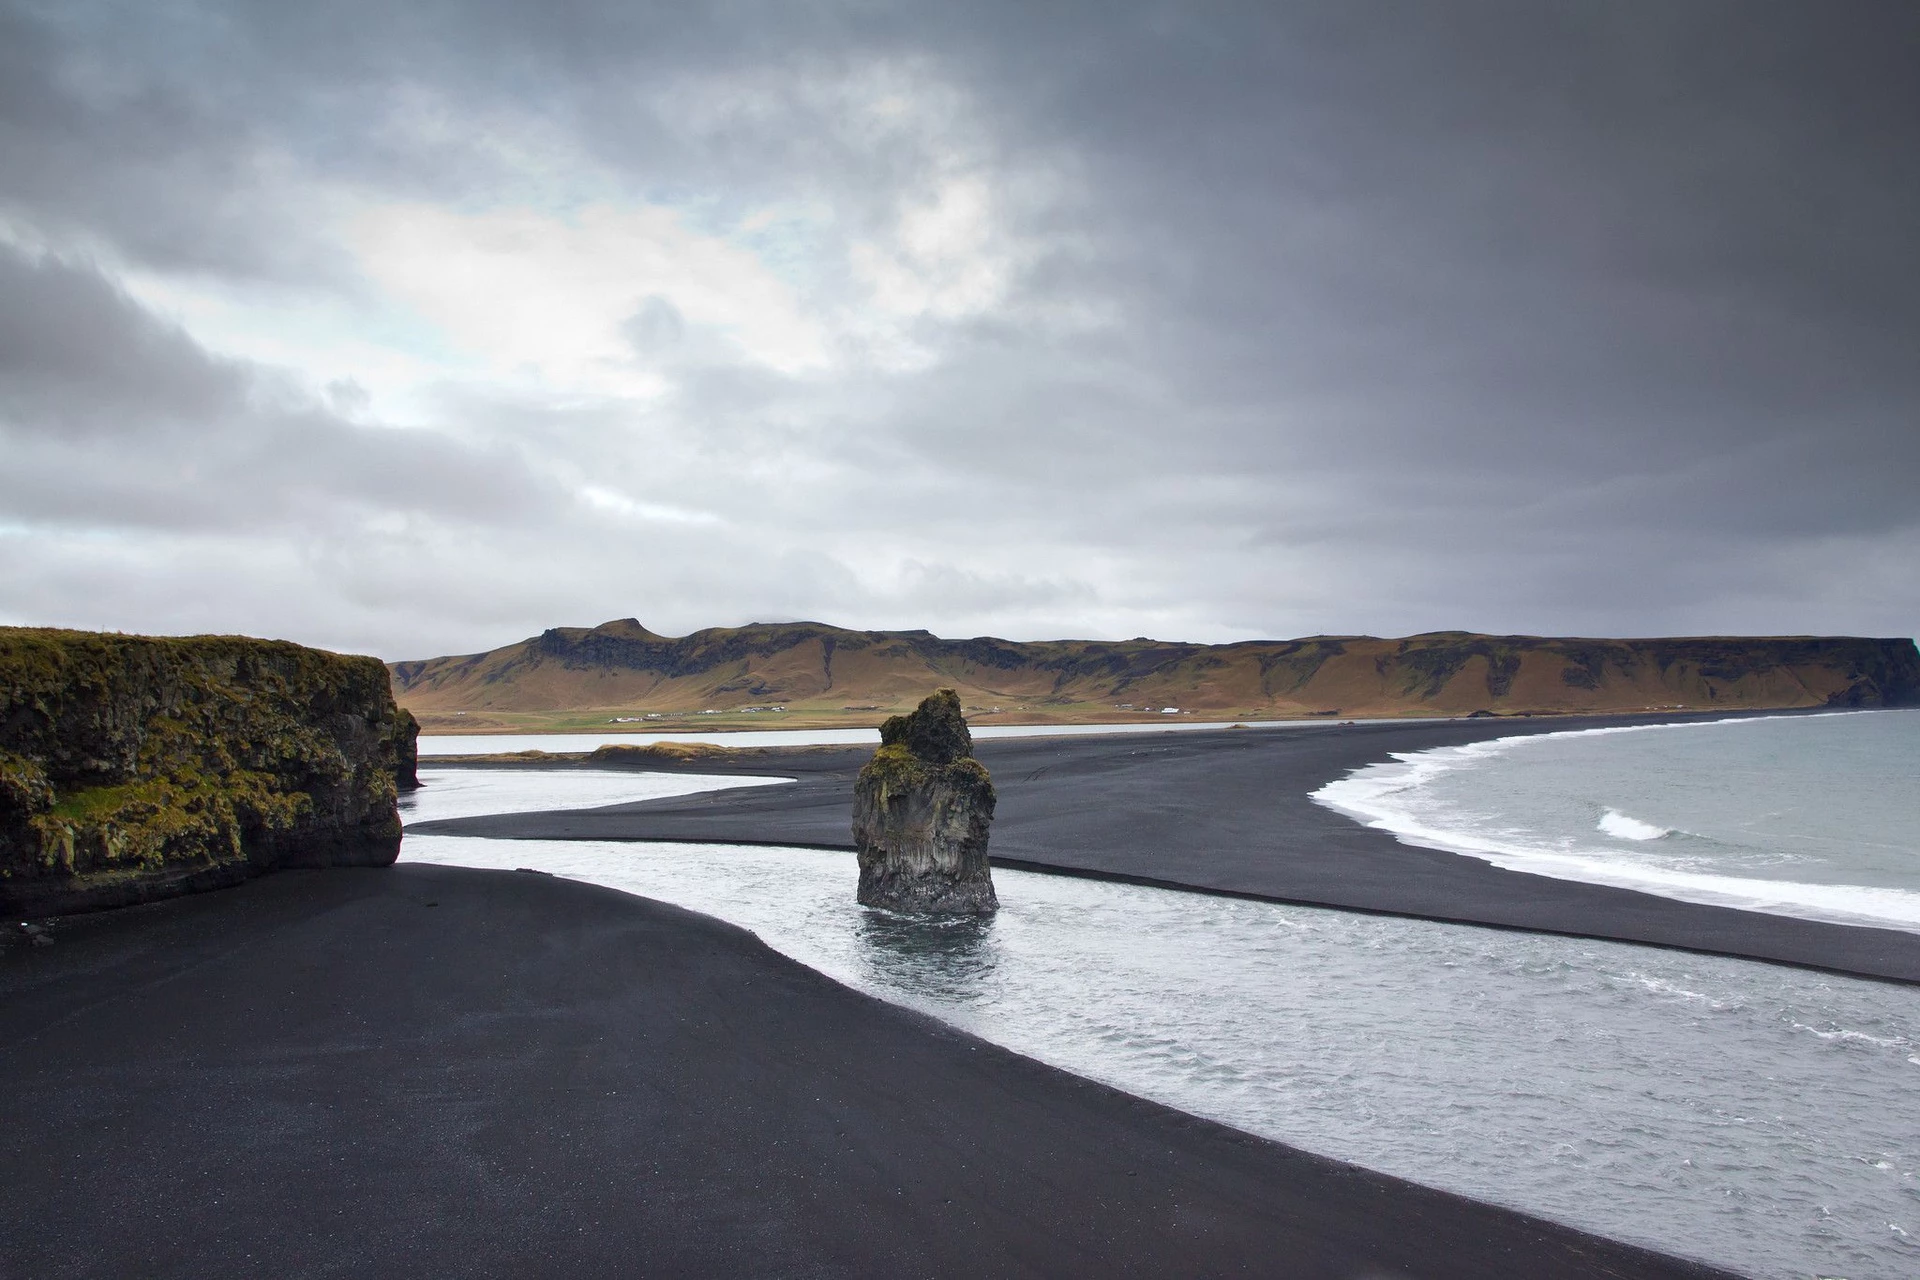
(1527, 803)
(1621, 827)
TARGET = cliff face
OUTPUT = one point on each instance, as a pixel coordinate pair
(134, 768)
(827, 672)
(922, 808)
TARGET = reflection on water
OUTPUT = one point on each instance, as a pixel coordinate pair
(1752, 1115)
(950, 960)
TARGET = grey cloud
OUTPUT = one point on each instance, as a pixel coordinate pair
(1555, 317)
(78, 358)
(111, 417)
(102, 137)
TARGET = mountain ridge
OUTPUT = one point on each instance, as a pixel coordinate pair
(790, 674)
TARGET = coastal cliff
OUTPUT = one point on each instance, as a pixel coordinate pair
(922, 808)
(806, 673)
(135, 768)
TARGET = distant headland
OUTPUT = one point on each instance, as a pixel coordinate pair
(812, 675)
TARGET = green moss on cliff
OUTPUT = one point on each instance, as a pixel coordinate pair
(23, 785)
(180, 816)
(123, 754)
(895, 770)
(892, 768)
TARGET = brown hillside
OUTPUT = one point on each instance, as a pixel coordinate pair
(575, 677)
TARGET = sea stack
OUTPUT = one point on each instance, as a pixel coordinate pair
(921, 811)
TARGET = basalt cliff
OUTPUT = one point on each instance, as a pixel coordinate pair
(922, 808)
(134, 768)
(805, 672)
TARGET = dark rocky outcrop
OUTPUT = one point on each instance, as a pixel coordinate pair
(406, 762)
(134, 768)
(921, 812)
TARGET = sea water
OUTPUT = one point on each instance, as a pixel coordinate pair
(1807, 815)
(1750, 1115)
(467, 793)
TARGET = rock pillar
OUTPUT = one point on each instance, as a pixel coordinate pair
(921, 811)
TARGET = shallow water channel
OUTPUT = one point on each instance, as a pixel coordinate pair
(1750, 1115)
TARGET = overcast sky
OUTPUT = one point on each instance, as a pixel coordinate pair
(415, 329)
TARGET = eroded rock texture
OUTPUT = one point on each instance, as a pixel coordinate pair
(134, 768)
(921, 812)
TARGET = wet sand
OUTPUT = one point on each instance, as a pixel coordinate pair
(435, 1071)
(1227, 812)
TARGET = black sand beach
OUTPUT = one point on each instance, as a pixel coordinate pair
(432, 1071)
(1227, 811)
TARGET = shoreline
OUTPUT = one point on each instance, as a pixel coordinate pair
(719, 753)
(1225, 812)
(1375, 796)
(463, 1069)
(692, 731)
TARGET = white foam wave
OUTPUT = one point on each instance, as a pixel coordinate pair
(1388, 797)
(1841, 1034)
(1661, 987)
(1621, 827)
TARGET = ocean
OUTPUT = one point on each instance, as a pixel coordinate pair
(1805, 815)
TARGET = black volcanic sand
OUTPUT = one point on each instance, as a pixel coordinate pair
(435, 1071)
(1225, 811)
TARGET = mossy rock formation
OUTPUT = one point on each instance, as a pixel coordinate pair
(921, 812)
(135, 768)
